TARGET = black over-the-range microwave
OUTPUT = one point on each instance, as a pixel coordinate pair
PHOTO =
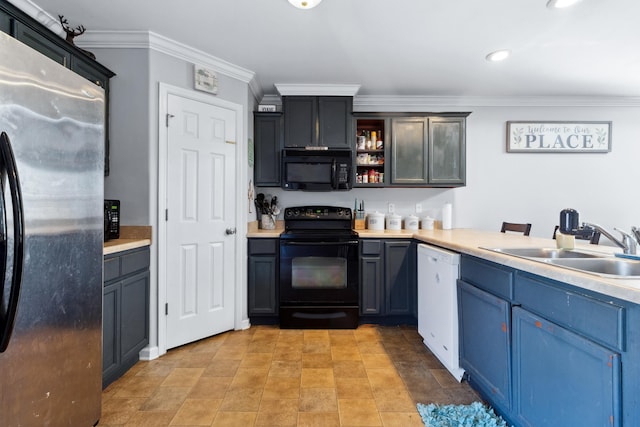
(317, 169)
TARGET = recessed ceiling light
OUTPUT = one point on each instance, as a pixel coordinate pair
(305, 4)
(498, 55)
(560, 4)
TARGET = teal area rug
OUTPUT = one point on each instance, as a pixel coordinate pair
(473, 415)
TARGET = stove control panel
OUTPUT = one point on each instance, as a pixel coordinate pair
(317, 212)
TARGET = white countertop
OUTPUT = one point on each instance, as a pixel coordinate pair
(119, 245)
(471, 242)
(131, 237)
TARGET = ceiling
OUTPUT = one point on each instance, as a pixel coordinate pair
(399, 47)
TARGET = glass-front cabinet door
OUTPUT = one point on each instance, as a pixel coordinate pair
(446, 157)
(409, 151)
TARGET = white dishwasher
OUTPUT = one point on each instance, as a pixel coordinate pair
(438, 270)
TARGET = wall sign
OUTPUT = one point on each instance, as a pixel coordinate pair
(558, 137)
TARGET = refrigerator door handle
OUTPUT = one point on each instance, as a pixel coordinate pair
(9, 308)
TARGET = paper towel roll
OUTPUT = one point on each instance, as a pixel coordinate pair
(447, 211)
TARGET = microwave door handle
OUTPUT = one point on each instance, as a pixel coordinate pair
(333, 173)
(9, 170)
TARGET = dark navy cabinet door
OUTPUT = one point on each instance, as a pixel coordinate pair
(267, 131)
(300, 121)
(370, 285)
(400, 277)
(485, 342)
(561, 378)
(263, 278)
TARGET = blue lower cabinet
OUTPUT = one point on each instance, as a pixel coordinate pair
(485, 343)
(561, 378)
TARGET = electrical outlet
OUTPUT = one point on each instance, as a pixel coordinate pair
(418, 207)
(392, 208)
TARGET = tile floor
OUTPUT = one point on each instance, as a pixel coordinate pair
(265, 376)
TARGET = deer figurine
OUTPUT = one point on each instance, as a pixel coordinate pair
(73, 32)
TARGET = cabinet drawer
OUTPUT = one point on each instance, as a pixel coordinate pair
(111, 268)
(370, 247)
(134, 261)
(125, 263)
(600, 321)
(263, 246)
(487, 275)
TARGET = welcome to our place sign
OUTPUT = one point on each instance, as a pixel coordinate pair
(559, 137)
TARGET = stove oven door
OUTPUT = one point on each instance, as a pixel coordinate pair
(319, 283)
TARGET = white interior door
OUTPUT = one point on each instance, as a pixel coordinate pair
(200, 250)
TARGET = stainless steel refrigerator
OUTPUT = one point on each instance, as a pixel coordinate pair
(51, 238)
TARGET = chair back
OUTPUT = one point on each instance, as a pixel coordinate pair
(516, 227)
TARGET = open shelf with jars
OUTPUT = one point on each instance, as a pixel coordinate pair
(370, 152)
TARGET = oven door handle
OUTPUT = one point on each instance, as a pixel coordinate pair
(320, 243)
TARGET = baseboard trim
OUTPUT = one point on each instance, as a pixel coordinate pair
(149, 353)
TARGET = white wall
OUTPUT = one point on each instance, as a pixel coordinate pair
(524, 187)
(520, 187)
(129, 180)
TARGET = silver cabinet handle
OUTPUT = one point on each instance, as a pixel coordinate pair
(230, 231)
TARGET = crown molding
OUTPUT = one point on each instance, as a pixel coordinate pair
(286, 89)
(162, 44)
(366, 103)
(372, 103)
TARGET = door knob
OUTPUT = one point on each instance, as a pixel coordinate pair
(230, 231)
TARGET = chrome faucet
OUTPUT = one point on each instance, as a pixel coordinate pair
(636, 232)
(628, 242)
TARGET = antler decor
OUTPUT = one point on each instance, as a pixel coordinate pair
(72, 33)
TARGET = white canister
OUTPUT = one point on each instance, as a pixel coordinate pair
(427, 223)
(411, 222)
(394, 222)
(375, 221)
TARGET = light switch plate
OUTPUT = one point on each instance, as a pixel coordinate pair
(392, 208)
(418, 207)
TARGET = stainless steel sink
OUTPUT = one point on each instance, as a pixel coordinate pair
(546, 253)
(600, 264)
(606, 267)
